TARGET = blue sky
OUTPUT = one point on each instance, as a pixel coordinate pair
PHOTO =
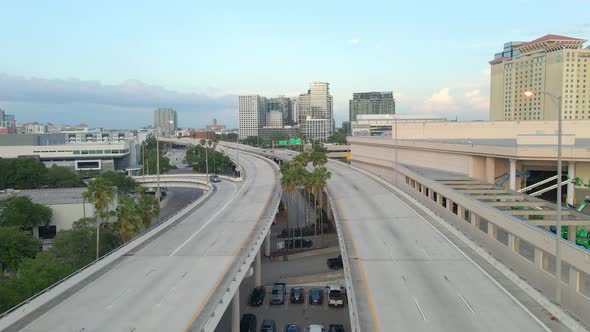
(110, 63)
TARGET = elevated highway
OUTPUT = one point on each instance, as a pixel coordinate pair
(183, 278)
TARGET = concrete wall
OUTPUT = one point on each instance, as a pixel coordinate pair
(64, 215)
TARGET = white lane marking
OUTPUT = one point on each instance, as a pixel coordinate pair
(167, 295)
(466, 304)
(479, 268)
(117, 299)
(208, 221)
(427, 255)
(287, 304)
(420, 309)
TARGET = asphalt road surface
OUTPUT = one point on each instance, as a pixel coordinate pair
(161, 286)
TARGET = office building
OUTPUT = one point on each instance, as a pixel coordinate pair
(550, 65)
(270, 133)
(315, 112)
(510, 50)
(274, 119)
(281, 105)
(165, 120)
(251, 115)
(34, 128)
(7, 123)
(215, 126)
(370, 103)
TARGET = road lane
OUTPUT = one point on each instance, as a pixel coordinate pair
(157, 289)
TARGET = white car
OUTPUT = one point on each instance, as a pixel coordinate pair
(316, 328)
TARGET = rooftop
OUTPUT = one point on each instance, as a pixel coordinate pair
(48, 196)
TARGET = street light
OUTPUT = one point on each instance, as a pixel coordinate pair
(557, 101)
(158, 166)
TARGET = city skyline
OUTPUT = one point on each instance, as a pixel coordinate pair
(207, 74)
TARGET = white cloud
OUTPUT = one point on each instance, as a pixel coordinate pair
(354, 41)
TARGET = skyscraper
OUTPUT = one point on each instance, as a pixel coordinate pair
(279, 104)
(315, 112)
(251, 115)
(370, 103)
(554, 64)
(165, 121)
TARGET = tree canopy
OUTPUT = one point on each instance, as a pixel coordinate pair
(21, 211)
(32, 174)
(337, 137)
(125, 184)
(15, 245)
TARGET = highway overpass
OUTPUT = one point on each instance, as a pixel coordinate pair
(406, 271)
(182, 278)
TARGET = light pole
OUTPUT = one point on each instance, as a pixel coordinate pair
(396, 146)
(557, 101)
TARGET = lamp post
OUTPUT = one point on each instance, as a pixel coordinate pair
(557, 101)
(158, 167)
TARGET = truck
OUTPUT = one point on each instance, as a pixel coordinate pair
(336, 295)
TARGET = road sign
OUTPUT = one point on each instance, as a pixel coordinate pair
(295, 141)
(348, 156)
(282, 142)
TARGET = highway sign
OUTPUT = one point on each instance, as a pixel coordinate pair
(295, 141)
(282, 142)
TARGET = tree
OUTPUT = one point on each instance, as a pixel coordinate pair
(77, 246)
(148, 208)
(251, 140)
(62, 177)
(318, 158)
(36, 274)
(21, 211)
(323, 175)
(318, 146)
(293, 176)
(151, 159)
(125, 184)
(101, 194)
(129, 222)
(15, 245)
(22, 174)
(337, 137)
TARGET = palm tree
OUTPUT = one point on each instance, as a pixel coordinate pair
(323, 175)
(148, 208)
(289, 186)
(318, 158)
(311, 185)
(100, 193)
(129, 222)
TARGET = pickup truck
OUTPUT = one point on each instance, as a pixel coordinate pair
(335, 263)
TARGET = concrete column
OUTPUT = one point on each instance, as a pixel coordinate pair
(460, 212)
(490, 169)
(571, 233)
(512, 174)
(511, 242)
(492, 230)
(570, 186)
(235, 312)
(474, 219)
(538, 258)
(257, 270)
(267, 244)
(450, 205)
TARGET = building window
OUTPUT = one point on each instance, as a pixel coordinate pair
(526, 250)
(548, 265)
(47, 232)
(502, 235)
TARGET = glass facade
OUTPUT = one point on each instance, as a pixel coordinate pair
(371, 103)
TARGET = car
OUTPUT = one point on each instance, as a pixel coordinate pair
(248, 323)
(214, 178)
(277, 296)
(297, 295)
(292, 328)
(268, 325)
(298, 242)
(257, 296)
(335, 263)
(316, 296)
(316, 328)
(336, 328)
(336, 294)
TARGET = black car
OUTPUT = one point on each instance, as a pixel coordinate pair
(335, 263)
(316, 296)
(257, 296)
(248, 323)
(297, 295)
(298, 243)
(268, 326)
(336, 328)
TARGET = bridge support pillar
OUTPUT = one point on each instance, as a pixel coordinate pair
(512, 174)
(235, 312)
(267, 244)
(571, 233)
(257, 270)
(490, 169)
(570, 186)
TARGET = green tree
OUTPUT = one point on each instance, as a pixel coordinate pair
(21, 211)
(150, 157)
(100, 193)
(15, 245)
(77, 246)
(148, 208)
(10, 295)
(36, 274)
(129, 222)
(62, 177)
(22, 174)
(125, 184)
(337, 137)
(251, 140)
(322, 176)
(318, 146)
(318, 158)
(292, 177)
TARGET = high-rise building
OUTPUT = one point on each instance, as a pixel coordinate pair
(251, 115)
(165, 120)
(280, 104)
(7, 123)
(315, 112)
(370, 103)
(553, 64)
(274, 119)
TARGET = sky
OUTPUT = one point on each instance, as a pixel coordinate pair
(111, 63)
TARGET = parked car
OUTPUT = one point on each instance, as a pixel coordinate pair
(316, 296)
(214, 178)
(316, 328)
(297, 295)
(248, 323)
(257, 296)
(335, 263)
(298, 243)
(292, 328)
(268, 326)
(336, 328)
(278, 293)
(335, 295)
